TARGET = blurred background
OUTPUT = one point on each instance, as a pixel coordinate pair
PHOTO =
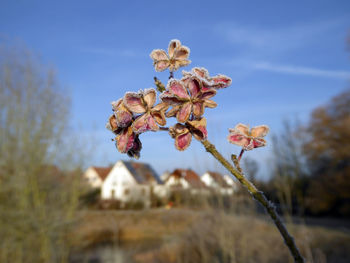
(68, 195)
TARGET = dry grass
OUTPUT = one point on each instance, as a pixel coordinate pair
(206, 236)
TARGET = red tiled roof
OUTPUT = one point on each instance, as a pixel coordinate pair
(190, 176)
(102, 171)
(142, 172)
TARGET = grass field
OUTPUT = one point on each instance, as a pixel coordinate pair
(181, 235)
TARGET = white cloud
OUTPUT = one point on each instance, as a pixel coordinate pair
(300, 70)
(278, 39)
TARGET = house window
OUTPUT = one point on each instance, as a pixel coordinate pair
(143, 191)
(126, 191)
(113, 193)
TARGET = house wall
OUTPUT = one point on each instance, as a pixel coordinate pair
(161, 191)
(121, 185)
(174, 181)
(92, 178)
(209, 181)
(231, 182)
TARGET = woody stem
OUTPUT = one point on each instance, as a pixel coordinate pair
(260, 197)
(240, 155)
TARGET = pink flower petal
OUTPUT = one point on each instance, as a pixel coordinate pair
(159, 117)
(243, 129)
(144, 123)
(207, 93)
(150, 96)
(159, 54)
(122, 114)
(221, 81)
(238, 139)
(161, 107)
(161, 65)
(180, 129)
(201, 72)
(160, 59)
(170, 98)
(184, 113)
(173, 44)
(193, 86)
(178, 63)
(116, 104)
(181, 53)
(199, 129)
(210, 104)
(260, 131)
(198, 109)
(124, 118)
(133, 101)
(124, 141)
(113, 125)
(173, 111)
(183, 141)
(258, 142)
(134, 152)
(177, 88)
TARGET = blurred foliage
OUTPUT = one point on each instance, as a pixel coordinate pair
(311, 163)
(39, 174)
(328, 153)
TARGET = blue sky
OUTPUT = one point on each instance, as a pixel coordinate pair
(285, 59)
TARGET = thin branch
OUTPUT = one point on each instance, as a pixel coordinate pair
(240, 155)
(163, 128)
(260, 197)
(236, 162)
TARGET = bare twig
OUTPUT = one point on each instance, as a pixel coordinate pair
(240, 155)
(260, 197)
(160, 86)
(236, 162)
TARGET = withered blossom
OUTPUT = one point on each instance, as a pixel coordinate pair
(187, 96)
(123, 115)
(177, 57)
(182, 133)
(218, 82)
(248, 139)
(126, 140)
(142, 103)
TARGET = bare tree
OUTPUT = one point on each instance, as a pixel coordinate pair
(328, 153)
(38, 198)
(289, 169)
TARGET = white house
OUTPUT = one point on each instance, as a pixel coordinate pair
(187, 180)
(229, 180)
(95, 176)
(219, 183)
(130, 182)
(165, 176)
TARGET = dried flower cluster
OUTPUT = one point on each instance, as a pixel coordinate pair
(248, 139)
(187, 99)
